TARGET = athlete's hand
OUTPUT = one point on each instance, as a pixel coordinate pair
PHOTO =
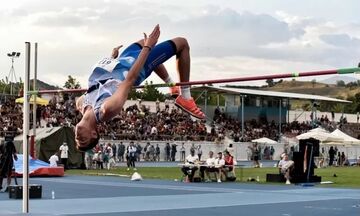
(153, 37)
(115, 51)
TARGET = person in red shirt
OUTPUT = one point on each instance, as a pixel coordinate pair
(229, 160)
(229, 170)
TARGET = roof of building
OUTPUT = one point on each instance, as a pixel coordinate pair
(288, 95)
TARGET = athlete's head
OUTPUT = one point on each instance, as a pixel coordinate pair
(86, 134)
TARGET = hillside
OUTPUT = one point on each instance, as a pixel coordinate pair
(307, 87)
(42, 85)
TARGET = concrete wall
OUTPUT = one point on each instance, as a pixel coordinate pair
(240, 149)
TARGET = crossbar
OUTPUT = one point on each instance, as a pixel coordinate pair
(215, 81)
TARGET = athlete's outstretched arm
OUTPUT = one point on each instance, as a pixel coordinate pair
(113, 105)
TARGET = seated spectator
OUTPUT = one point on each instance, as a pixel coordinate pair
(346, 162)
(190, 167)
(231, 150)
(54, 160)
(229, 169)
(286, 166)
(219, 164)
(209, 167)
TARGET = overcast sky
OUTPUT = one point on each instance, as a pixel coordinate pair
(229, 38)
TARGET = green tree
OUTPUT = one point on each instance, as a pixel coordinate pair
(340, 83)
(5, 86)
(134, 94)
(151, 93)
(338, 108)
(72, 83)
(354, 107)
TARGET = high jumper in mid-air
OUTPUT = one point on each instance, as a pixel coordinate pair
(113, 77)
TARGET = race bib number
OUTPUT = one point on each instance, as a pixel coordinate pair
(108, 64)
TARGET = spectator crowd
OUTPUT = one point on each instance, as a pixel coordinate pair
(136, 122)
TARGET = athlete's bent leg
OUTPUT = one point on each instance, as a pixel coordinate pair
(185, 101)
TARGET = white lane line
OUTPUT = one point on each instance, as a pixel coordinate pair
(155, 203)
(337, 192)
(323, 208)
(145, 185)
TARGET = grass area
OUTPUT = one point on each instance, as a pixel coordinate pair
(346, 176)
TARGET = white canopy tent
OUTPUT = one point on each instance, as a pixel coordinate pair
(264, 140)
(347, 139)
(350, 145)
(338, 138)
(320, 134)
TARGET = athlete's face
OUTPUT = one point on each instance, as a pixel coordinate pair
(84, 134)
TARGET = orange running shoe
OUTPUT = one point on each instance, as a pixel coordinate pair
(174, 91)
(189, 106)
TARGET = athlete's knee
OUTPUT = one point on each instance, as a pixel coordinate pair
(181, 43)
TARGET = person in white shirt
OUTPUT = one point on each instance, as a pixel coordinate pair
(53, 160)
(248, 154)
(190, 167)
(154, 130)
(286, 167)
(209, 167)
(110, 154)
(131, 156)
(199, 151)
(64, 154)
(219, 164)
(182, 152)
